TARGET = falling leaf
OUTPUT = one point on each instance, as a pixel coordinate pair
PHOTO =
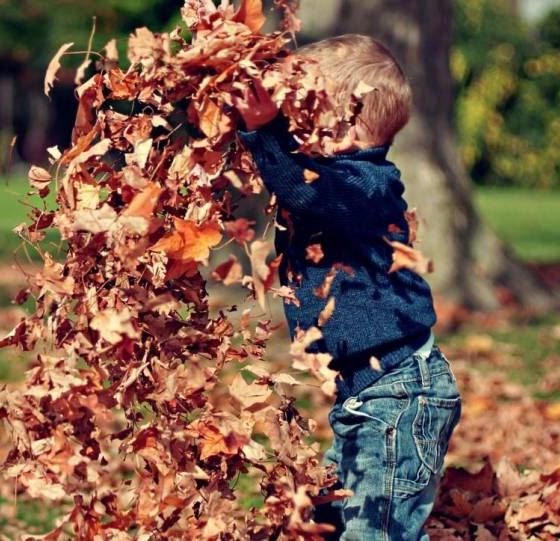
(213, 121)
(362, 88)
(214, 442)
(81, 71)
(406, 257)
(327, 312)
(310, 176)
(113, 325)
(38, 177)
(251, 13)
(140, 154)
(229, 272)
(189, 240)
(249, 394)
(324, 289)
(411, 217)
(53, 67)
(95, 220)
(260, 270)
(111, 52)
(314, 253)
(144, 202)
(374, 363)
(240, 230)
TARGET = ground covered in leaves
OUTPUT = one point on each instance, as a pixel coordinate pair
(503, 467)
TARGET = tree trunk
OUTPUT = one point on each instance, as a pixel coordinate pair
(471, 263)
(6, 119)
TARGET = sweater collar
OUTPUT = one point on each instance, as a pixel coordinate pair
(366, 154)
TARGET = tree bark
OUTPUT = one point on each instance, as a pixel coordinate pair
(471, 263)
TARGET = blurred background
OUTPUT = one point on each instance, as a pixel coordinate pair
(480, 160)
(486, 75)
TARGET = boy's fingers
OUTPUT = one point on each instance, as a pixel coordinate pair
(262, 93)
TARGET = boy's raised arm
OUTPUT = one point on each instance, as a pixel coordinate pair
(349, 192)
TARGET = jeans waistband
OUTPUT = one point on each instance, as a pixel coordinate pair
(425, 350)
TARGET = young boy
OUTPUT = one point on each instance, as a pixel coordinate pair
(397, 399)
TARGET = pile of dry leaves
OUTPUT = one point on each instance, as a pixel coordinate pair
(509, 444)
(124, 411)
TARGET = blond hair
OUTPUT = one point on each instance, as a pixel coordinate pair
(351, 59)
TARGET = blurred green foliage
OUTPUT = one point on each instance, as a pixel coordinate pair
(31, 31)
(508, 107)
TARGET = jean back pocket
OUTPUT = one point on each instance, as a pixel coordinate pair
(433, 425)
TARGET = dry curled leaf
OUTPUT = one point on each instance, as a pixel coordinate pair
(310, 176)
(189, 240)
(53, 67)
(407, 257)
(251, 13)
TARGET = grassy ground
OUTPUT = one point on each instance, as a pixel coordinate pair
(14, 210)
(527, 219)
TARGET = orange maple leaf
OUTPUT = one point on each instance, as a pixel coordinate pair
(144, 202)
(189, 240)
(213, 441)
(213, 121)
(251, 13)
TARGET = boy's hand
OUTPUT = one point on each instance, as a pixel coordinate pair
(349, 143)
(256, 106)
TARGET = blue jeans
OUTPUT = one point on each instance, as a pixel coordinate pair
(389, 444)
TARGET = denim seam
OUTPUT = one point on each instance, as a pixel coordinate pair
(408, 380)
(417, 436)
(392, 466)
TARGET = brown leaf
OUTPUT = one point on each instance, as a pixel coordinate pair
(263, 273)
(374, 363)
(324, 289)
(249, 394)
(38, 177)
(53, 67)
(251, 14)
(411, 217)
(189, 240)
(113, 325)
(314, 253)
(326, 312)
(310, 176)
(240, 230)
(214, 442)
(229, 272)
(213, 121)
(144, 202)
(406, 257)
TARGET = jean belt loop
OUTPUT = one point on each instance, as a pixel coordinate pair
(422, 357)
(424, 370)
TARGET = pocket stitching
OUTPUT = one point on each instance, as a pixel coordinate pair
(421, 440)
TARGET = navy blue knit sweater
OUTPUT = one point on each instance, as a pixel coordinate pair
(347, 210)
